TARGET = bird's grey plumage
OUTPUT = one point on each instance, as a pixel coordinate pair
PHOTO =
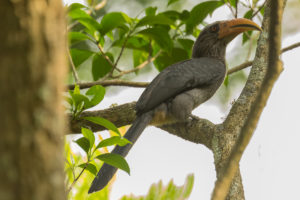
(179, 88)
(199, 79)
(202, 73)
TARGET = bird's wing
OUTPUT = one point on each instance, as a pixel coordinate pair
(178, 78)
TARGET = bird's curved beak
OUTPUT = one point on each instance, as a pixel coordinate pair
(231, 28)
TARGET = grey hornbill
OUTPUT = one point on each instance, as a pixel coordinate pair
(181, 87)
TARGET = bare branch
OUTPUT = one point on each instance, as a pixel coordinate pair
(142, 65)
(239, 67)
(114, 82)
(258, 10)
(104, 55)
(249, 63)
(117, 82)
(273, 71)
(76, 179)
(236, 8)
(120, 54)
(288, 48)
(99, 6)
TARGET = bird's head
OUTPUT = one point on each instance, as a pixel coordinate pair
(214, 38)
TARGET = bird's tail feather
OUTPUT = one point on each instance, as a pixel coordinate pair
(107, 171)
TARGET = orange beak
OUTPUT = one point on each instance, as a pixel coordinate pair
(231, 28)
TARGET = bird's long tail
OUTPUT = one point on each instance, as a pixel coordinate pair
(107, 171)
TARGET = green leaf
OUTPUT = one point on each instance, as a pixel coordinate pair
(248, 14)
(90, 24)
(226, 81)
(80, 100)
(232, 3)
(75, 6)
(172, 1)
(84, 144)
(77, 37)
(103, 122)
(134, 42)
(166, 59)
(90, 167)
(87, 133)
(112, 20)
(171, 14)
(188, 186)
(96, 93)
(184, 15)
(115, 160)
(200, 12)
(139, 57)
(153, 20)
(76, 89)
(69, 100)
(79, 56)
(160, 36)
(150, 10)
(187, 45)
(114, 140)
(100, 66)
(78, 14)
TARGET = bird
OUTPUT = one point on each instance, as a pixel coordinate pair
(181, 87)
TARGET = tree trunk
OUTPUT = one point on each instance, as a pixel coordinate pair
(32, 71)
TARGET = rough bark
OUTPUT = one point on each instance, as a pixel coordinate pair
(32, 71)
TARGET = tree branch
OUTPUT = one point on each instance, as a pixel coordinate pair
(258, 10)
(194, 129)
(120, 54)
(118, 82)
(273, 71)
(114, 82)
(249, 63)
(142, 65)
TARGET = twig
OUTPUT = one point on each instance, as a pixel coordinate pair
(114, 82)
(104, 55)
(236, 8)
(231, 10)
(240, 67)
(249, 63)
(142, 65)
(117, 82)
(120, 54)
(273, 71)
(76, 77)
(76, 179)
(259, 9)
(98, 6)
(288, 48)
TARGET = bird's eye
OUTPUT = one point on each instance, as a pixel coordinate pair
(214, 28)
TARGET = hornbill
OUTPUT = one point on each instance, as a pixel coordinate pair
(181, 87)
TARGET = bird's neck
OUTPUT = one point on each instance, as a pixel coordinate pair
(211, 53)
(209, 48)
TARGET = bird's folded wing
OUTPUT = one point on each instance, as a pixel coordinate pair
(180, 77)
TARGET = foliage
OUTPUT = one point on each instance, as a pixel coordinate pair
(101, 39)
(170, 192)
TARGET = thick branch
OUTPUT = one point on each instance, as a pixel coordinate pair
(273, 71)
(194, 129)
